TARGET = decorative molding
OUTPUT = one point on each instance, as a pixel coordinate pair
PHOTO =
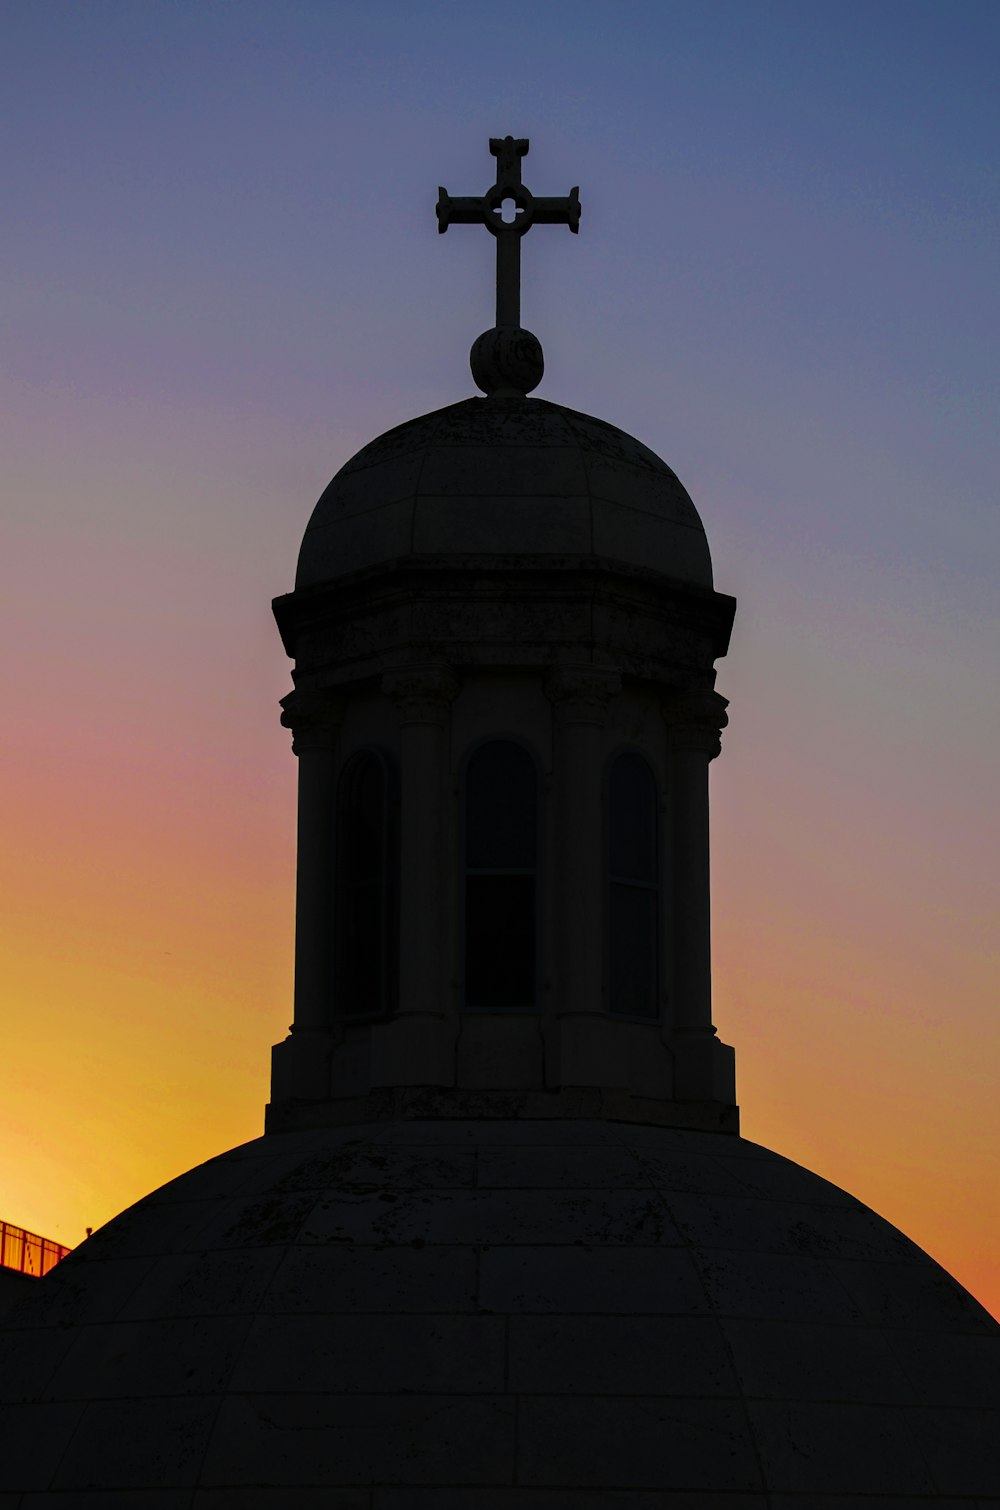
(580, 692)
(422, 692)
(593, 1103)
(695, 720)
(314, 718)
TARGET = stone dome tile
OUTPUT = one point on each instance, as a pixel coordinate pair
(194, 1355)
(293, 1439)
(958, 1369)
(643, 1137)
(834, 1447)
(864, 1502)
(527, 1498)
(260, 1220)
(92, 1291)
(557, 1217)
(413, 435)
(366, 539)
(375, 1279)
(528, 1166)
(502, 471)
(355, 490)
(668, 1355)
(31, 1357)
(27, 1433)
(148, 1227)
(652, 492)
(373, 1354)
(749, 1223)
(772, 1179)
(600, 437)
(123, 1443)
(960, 1449)
(202, 1283)
(773, 1286)
(910, 1295)
(701, 1173)
(105, 1499)
(249, 1498)
(647, 1443)
(579, 1279)
(626, 534)
(502, 525)
(504, 422)
(799, 1360)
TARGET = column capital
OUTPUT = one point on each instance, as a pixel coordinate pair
(314, 718)
(695, 720)
(580, 692)
(421, 691)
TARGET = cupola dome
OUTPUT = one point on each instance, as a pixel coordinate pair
(508, 477)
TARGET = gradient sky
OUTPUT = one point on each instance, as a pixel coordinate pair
(221, 275)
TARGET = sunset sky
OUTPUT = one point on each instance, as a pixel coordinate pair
(221, 275)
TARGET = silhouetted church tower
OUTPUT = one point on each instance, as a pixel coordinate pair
(502, 1246)
(504, 631)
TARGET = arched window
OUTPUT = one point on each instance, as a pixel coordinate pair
(364, 931)
(633, 888)
(501, 862)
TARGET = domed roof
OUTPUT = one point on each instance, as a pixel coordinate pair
(510, 476)
(517, 1315)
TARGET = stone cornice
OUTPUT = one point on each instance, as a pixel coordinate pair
(453, 603)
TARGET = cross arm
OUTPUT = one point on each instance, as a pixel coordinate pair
(553, 211)
(460, 210)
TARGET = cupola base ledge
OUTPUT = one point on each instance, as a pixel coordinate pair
(450, 1103)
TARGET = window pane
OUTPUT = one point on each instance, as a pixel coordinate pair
(500, 808)
(360, 955)
(632, 819)
(360, 940)
(500, 941)
(632, 964)
(362, 817)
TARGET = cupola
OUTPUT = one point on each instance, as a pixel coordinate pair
(504, 631)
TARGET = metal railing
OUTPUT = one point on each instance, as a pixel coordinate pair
(27, 1252)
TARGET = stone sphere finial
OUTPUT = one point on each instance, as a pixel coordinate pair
(507, 361)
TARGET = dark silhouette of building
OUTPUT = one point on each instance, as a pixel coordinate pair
(502, 1246)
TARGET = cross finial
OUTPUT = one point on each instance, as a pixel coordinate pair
(528, 210)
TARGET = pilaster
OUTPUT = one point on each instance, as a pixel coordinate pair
(301, 1065)
(703, 1067)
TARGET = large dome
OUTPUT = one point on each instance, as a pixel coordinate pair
(509, 476)
(500, 1315)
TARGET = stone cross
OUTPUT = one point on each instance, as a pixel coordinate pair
(528, 211)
